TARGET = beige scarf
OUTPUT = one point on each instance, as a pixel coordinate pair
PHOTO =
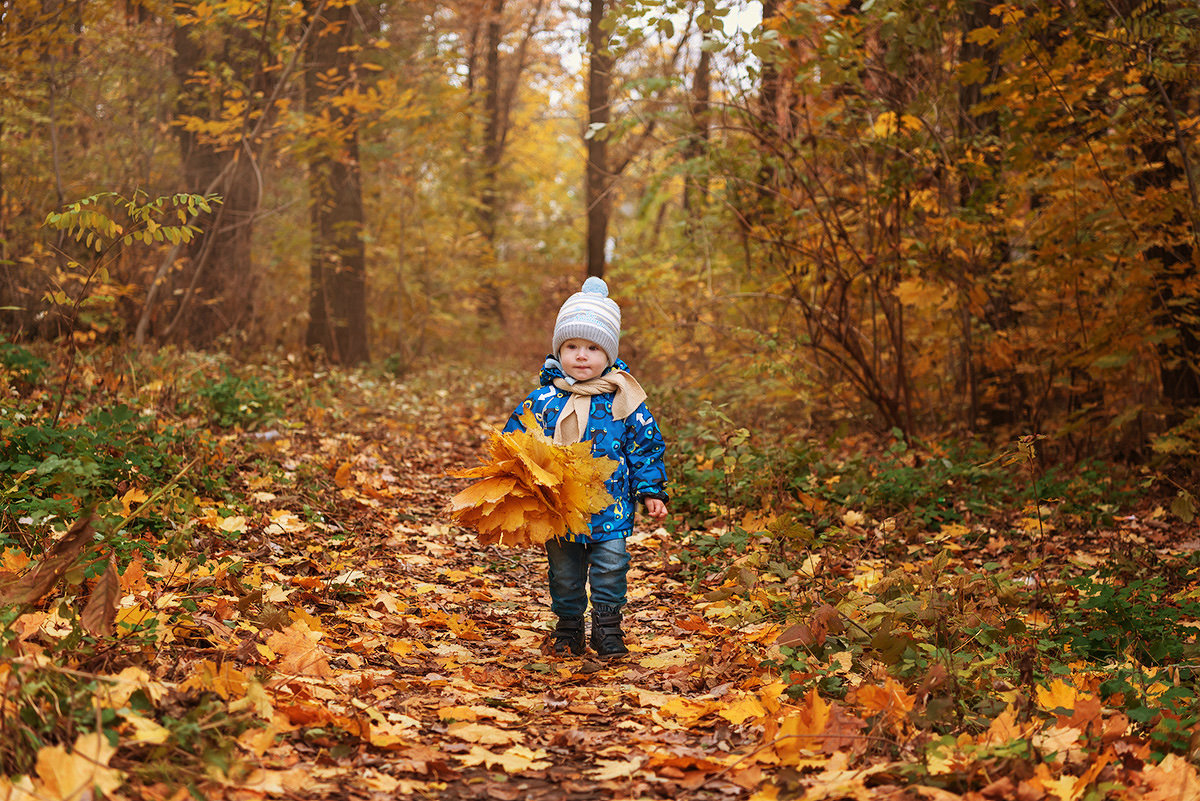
(572, 421)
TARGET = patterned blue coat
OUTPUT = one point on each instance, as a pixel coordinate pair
(635, 444)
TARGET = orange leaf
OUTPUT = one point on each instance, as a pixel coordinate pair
(889, 700)
(1173, 779)
(297, 648)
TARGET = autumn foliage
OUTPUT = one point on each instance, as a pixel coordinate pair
(280, 606)
(532, 490)
(861, 249)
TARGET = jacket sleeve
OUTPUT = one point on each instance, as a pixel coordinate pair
(644, 450)
(540, 403)
(514, 422)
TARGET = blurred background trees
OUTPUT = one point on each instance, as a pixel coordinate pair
(886, 216)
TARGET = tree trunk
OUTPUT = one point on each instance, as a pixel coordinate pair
(1177, 268)
(215, 289)
(493, 126)
(1169, 148)
(489, 194)
(1004, 406)
(337, 292)
(598, 177)
(696, 187)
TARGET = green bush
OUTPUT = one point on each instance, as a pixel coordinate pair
(719, 469)
(52, 707)
(234, 402)
(1107, 617)
(22, 365)
(51, 472)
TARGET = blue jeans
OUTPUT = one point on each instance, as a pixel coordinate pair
(570, 565)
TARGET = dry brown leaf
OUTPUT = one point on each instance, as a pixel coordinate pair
(41, 579)
(482, 733)
(609, 769)
(514, 760)
(100, 612)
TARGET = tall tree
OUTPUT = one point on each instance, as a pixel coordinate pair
(696, 188)
(214, 290)
(39, 52)
(598, 174)
(979, 191)
(337, 292)
(503, 67)
(495, 120)
(1161, 41)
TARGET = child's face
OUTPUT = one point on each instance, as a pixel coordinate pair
(582, 359)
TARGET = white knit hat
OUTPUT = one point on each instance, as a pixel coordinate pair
(590, 314)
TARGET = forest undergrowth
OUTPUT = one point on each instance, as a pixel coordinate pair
(232, 581)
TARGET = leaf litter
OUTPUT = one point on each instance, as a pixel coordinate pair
(377, 650)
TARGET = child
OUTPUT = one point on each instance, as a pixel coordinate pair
(587, 394)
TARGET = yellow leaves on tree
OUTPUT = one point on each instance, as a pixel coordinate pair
(531, 490)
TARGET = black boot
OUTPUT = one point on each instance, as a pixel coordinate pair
(607, 638)
(569, 637)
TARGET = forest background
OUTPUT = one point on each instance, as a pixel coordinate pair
(931, 266)
(977, 217)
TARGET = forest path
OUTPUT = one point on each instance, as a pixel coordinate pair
(431, 677)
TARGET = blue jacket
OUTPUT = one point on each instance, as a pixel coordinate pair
(635, 444)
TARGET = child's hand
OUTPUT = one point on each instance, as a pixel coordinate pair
(656, 508)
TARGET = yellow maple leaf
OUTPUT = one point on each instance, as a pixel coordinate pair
(531, 490)
(131, 497)
(482, 733)
(739, 711)
(687, 710)
(143, 730)
(1059, 695)
(801, 731)
(66, 776)
(516, 759)
(487, 491)
(609, 769)
(284, 522)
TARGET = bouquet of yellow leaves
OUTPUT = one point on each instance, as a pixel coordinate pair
(532, 490)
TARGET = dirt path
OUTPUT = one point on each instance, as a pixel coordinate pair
(431, 678)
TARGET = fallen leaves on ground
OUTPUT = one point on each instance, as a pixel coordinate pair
(373, 650)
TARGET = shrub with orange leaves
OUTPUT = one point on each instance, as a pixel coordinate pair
(531, 490)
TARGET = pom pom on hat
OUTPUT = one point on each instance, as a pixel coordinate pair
(595, 286)
(590, 314)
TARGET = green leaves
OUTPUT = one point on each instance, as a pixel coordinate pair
(87, 222)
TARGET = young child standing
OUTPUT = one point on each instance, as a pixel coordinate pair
(587, 394)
